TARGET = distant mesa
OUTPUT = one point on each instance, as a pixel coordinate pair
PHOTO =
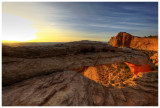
(124, 39)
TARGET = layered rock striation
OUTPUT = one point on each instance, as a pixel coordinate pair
(124, 39)
(32, 61)
(68, 88)
(52, 76)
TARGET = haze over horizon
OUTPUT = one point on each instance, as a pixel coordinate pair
(73, 21)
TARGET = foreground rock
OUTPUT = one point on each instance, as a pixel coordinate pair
(20, 63)
(45, 76)
(74, 89)
(124, 39)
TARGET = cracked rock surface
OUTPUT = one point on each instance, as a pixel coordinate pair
(123, 39)
(21, 63)
(45, 76)
(71, 88)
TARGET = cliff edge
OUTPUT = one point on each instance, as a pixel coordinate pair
(123, 39)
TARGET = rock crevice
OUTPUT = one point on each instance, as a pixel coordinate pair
(77, 90)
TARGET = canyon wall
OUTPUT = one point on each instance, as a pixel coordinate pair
(124, 39)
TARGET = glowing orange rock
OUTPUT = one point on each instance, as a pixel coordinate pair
(139, 68)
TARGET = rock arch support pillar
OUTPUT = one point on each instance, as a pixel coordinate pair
(139, 68)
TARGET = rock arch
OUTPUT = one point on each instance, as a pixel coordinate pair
(38, 60)
(139, 68)
(39, 76)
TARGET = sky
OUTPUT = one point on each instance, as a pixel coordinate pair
(74, 21)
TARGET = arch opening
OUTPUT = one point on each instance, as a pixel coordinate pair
(107, 74)
(113, 74)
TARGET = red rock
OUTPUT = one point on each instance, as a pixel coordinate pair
(139, 68)
(124, 39)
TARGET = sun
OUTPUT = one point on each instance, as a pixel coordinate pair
(15, 28)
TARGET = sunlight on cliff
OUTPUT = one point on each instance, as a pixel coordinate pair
(139, 68)
(107, 74)
(116, 74)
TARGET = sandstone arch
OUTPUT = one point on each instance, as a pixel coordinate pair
(139, 68)
(21, 63)
(39, 76)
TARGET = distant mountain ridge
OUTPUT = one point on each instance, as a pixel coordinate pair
(123, 39)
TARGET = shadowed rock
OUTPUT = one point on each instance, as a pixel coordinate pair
(68, 88)
(42, 76)
(21, 63)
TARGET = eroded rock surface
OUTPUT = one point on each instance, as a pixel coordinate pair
(139, 68)
(74, 89)
(124, 39)
(108, 73)
(21, 63)
(154, 58)
(42, 75)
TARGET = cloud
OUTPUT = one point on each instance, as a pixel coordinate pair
(89, 17)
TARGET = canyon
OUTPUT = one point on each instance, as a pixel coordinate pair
(78, 73)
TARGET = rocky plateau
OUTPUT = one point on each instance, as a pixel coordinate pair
(82, 73)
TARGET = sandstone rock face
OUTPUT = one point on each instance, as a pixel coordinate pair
(72, 89)
(139, 68)
(155, 59)
(124, 39)
(45, 76)
(28, 61)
